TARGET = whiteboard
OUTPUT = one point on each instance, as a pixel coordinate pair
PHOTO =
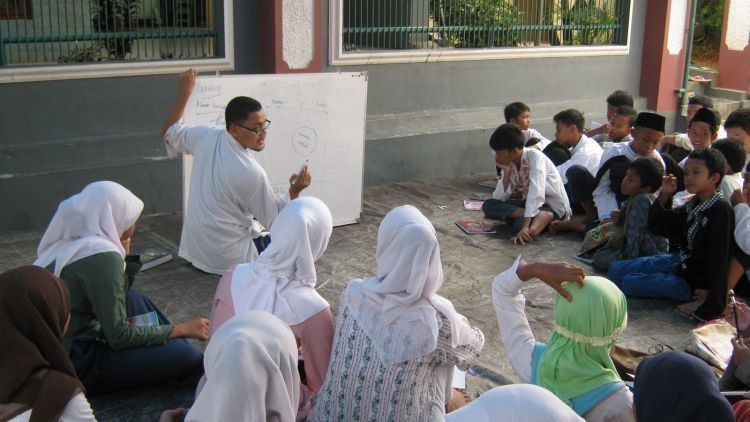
(316, 118)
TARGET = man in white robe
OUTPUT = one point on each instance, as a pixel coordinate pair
(230, 198)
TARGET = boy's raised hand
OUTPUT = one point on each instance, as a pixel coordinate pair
(668, 184)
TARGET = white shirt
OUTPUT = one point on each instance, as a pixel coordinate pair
(228, 190)
(519, 342)
(604, 198)
(742, 227)
(77, 410)
(729, 183)
(545, 185)
(533, 133)
(682, 140)
(586, 153)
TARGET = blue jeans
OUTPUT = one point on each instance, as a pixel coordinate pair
(105, 370)
(651, 276)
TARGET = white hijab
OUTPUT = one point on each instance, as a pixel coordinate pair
(515, 403)
(251, 372)
(398, 307)
(89, 223)
(282, 280)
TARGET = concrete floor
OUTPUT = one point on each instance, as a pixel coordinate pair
(470, 264)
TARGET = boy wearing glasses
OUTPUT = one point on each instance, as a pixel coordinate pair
(231, 199)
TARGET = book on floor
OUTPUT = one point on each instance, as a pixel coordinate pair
(475, 227)
(151, 258)
(585, 257)
(473, 204)
(492, 183)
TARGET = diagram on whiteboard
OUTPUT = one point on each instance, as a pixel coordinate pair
(317, 120)
(304, 141)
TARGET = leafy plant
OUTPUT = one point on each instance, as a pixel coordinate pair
(115, 16)
(477, 23)
(710, 17)
(587, 20)
(89, 54)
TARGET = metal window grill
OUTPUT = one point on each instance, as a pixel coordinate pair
(43, 32)
(440, 24)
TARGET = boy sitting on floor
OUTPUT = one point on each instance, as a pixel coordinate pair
(642, 179)
(621, 124)
(737, 126)
(734, 152)
(678, 145)
(703, 130)
(703, 227)
(529, 193)
(519, 114)
(605, 189)
(740, 261)
(614, 100)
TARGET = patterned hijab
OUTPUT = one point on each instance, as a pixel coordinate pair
(576, 359)
(36, 372)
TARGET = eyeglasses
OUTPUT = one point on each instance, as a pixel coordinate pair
(259, 129)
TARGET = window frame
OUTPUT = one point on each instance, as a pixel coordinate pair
(26, 11)
(337, 57)
(53, 72)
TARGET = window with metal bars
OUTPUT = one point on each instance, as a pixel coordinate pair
(96, 31)
(374, 26)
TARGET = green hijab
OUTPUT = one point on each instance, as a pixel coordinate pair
(576, 359)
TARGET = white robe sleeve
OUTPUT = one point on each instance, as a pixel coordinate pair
(500, 193)
(742, 227)
(514, 327)
(258, 198)
(682, 140)
(537, 186)
(183, 139)
(604, 199)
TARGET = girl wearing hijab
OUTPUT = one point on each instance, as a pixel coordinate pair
(38, 382)
(590, 314)
(676, 386)
(516, 403)
(85, 245)
(251, 372)
(282, 281)
(396, 340)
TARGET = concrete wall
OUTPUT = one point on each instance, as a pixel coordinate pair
(463, 103)
(56, 137)
(424, 121)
